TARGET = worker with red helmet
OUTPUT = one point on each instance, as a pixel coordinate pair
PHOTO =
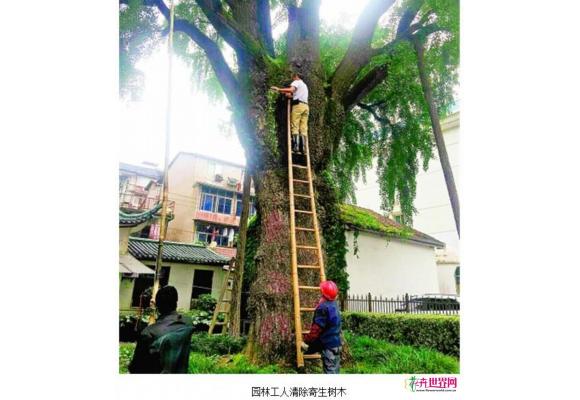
(324, 334)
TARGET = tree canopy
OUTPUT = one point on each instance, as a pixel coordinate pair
(387, 118)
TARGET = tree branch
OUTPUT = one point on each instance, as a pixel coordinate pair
(367, 83)
(370, 108)
(224, 25)
(265, 26)
(212, 51)
(364, 86)
(359, 50)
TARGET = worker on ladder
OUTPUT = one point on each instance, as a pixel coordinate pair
(298, 91)
(324, 334)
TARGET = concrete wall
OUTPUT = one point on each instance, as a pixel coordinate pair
(181, 180)
(434, 214)
(446, 276)
(390, 268)
(181, 277)
(126, 293)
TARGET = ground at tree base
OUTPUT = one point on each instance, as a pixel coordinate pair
(371, 356)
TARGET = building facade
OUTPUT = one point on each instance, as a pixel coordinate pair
(207, 197)
(384, 263)
(140, 190)
(192, 269)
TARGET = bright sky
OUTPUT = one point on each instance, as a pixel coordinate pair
(197, 125)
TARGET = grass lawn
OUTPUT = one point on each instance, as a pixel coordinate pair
(372, 356)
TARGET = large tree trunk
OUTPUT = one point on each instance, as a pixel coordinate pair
(271, 337)
(437, 133)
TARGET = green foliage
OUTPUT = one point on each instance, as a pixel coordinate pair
(363, 219)
(397, 132)
(334, 234)
(252, 243)
(370, 355)
(126, 351)
(205, 302)
(354, 154)
(130, 325)
(334, 42)
(139, 35)
(236, 364)
(373, 356)
(439, 332)
(216, 344)
(201, 319)
(398, 135)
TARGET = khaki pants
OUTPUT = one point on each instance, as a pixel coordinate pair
(299, 119)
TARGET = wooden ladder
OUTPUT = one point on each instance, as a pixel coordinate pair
(223, 305)
(299, 309)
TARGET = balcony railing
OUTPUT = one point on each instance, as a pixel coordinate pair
(136, 202)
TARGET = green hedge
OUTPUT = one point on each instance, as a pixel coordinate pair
(439, 332)
(216, 344)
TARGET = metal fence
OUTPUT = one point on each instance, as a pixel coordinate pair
(425, 304)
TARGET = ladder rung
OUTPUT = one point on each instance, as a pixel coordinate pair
(300, 166)
(303, 211)
(309, 287)
(315, 356)
(304, 229)
(306, 247)
(220, 323)
(309, 266)
(307, 308)
(300, 180)
(302, 195)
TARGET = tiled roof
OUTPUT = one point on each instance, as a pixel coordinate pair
(138, 218)
(146, 249)
(382, 225)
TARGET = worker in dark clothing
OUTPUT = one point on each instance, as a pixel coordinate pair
(163, 347)
(324, 334)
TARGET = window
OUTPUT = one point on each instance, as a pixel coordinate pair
(202, 283)
(207, 202)
(144, 282)
(216, 200)
(224, 205)
(239, 206)
(207, 233)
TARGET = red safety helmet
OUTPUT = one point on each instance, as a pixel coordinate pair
(329, 290)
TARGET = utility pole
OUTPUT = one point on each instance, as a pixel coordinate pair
(164, 199)
(236, 306)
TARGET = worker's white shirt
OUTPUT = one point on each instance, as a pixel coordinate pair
(301, 92)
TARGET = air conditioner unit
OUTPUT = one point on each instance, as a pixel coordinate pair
(232, 181)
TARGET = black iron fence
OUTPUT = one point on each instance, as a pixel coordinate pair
(424, 304)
